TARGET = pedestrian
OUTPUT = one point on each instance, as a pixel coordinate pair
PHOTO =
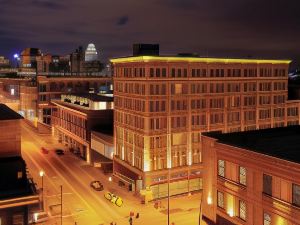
(137, 215)
(130, 220)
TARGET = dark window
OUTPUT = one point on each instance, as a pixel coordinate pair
(157, 72)
(220, 199)
(173, 72)
(151, 72)
(179, 72)
(193, 73)
(42, 87)
(164, 72)
(242, 209)
(296, 194)
(185, 72)
(267, 184)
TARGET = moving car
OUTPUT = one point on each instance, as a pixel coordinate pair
(59, 152)
(96, 185)
(44, 150)
(39, 217)
(114, 198)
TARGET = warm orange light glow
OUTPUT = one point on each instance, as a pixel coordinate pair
(209, 200)
(230, 205)
(230, 212)
(196, 59)
(42, 173)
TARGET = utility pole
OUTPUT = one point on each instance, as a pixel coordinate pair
(168, 196)
(61, 205)
(200, 209)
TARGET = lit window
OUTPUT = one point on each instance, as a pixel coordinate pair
(20, 174)
(178, 88)
(243, 177)
(296, 194)
(242, 210)
(267, 219)
(221, 168)
(221, 199)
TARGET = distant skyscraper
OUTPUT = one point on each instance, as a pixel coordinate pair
(91, 53)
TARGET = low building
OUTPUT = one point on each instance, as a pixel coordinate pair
(75, 117)
(18, 195)
(252, 177)
(51, 87)
(102, 147)
(10, 132)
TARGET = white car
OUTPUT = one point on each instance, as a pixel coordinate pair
(39, 217)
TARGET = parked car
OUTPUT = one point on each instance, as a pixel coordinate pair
(114, 198)
(44, 150)
(96, 185)
(59, 152)
(39, 217)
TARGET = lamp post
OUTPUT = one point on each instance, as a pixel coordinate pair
(168, 196)
(42, 173)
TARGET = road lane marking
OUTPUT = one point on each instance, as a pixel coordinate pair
(46, 160)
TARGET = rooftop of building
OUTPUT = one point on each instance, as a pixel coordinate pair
(282, 142)
(104, 129)
(7, 113)
(31, 52)
(93, 97)
(197, 59)
(12, 186)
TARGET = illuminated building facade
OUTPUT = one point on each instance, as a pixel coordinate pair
(52, 86)
(91, 53)
(10, 132)
(252, 177)
(29, 56)
(74, 118)
(18, 195)
(4, 63)
(163, 104)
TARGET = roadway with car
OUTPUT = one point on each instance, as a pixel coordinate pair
(81, 202)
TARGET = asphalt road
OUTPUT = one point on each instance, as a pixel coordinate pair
(82, 204)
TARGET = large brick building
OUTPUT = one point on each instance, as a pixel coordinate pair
(75, 117)
(163, 104)
(252, 177)
(18, 194)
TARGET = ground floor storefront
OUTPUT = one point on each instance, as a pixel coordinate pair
(155, 184)
(75, 145)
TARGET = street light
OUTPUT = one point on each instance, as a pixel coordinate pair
(110, 179)
(42, 173)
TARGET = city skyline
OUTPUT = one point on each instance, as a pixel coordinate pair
(232, 29)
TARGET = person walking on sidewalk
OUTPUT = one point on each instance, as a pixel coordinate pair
(130, 220)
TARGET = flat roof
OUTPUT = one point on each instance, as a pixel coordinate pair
(94, 97)
(282, 143)
(197, 60)
(7, 113)
(10, 186)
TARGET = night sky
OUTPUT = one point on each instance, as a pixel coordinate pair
(225, 28)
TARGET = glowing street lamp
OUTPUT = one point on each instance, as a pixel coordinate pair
(110, 179)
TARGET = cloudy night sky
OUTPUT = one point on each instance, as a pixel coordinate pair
(222, 28)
